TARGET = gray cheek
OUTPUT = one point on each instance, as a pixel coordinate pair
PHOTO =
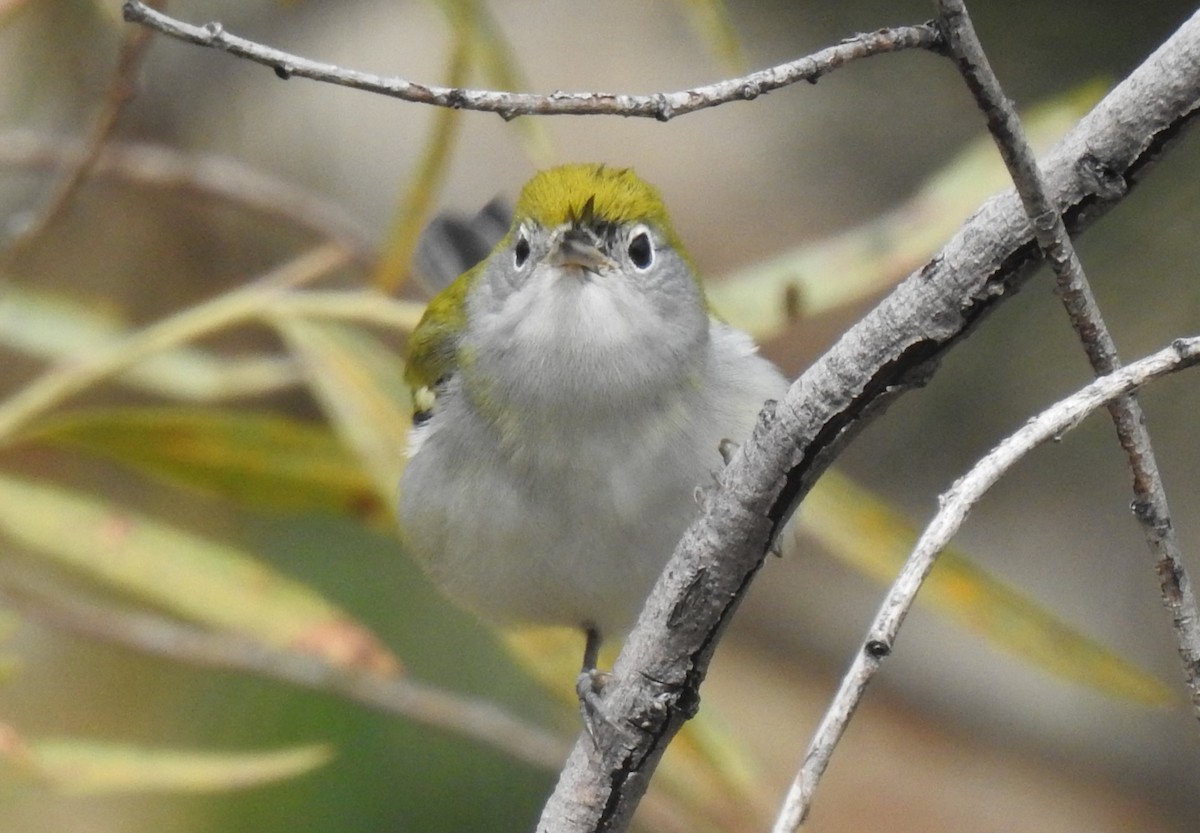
(503, 277)
(496, 286)
(676, 294)
(490, 307)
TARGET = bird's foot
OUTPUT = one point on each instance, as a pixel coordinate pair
(588, 686)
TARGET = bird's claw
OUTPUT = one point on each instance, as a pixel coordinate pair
(588, 686)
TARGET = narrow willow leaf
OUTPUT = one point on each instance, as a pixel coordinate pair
(55, 328)
(863, 531)
(763, 299)
(193, 576)
(10, 663)
(489, 51)
(417, 202)
(502, 71)
(255, 458)
(360, 385)
(711, 19)
(111, 9)
(77, 767)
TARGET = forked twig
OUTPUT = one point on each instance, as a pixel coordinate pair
(1150, 497)
(955, 505)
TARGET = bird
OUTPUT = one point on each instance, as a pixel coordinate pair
(571, 391)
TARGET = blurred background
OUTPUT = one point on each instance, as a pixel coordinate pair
(955, 735)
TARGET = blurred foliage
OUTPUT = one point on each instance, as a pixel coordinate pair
(866, 533)
(310, 444)
(74, 767)
(811, 280)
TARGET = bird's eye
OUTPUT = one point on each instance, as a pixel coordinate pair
(521, 252)
(641, 250)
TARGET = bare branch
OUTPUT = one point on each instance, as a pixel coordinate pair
(120, 91)
(509, 105)
(212, 176)
(654, 685)
(1150, 497)
(955, 505)
(160, 636)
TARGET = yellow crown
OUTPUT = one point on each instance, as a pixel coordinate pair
(590, 191)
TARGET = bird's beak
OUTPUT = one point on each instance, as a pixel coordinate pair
(578, 247)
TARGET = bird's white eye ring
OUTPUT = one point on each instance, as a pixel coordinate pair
(521, 252)
(641, 249)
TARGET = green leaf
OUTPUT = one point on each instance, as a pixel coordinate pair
(360, 385)
(763, 299)
(255, 458)
(55, 327)
(864, 532)
(77, 767)
(193, 576)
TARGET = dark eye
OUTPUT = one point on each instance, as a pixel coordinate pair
(521, 252)
(641, 252)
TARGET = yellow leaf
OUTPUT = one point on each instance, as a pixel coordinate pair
(9, 663)
(763, 299)
(501, 70)
(414, 211)
(195, 577)
(712, 21)
(252, 457)
(55, 327)
(360, 385)
(863, 531)
(90, 768)
(77, 767)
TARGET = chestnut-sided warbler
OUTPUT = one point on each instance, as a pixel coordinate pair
(571, 393)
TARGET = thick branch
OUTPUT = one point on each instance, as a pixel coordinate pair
(1150, 496)
(509, 105)
(654, 685)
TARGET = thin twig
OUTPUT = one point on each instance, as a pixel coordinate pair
(1150, 497)
(121, 89)
(955, 505)
(509, 105)
(157, 635)
(71, 377)
(207, 175)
